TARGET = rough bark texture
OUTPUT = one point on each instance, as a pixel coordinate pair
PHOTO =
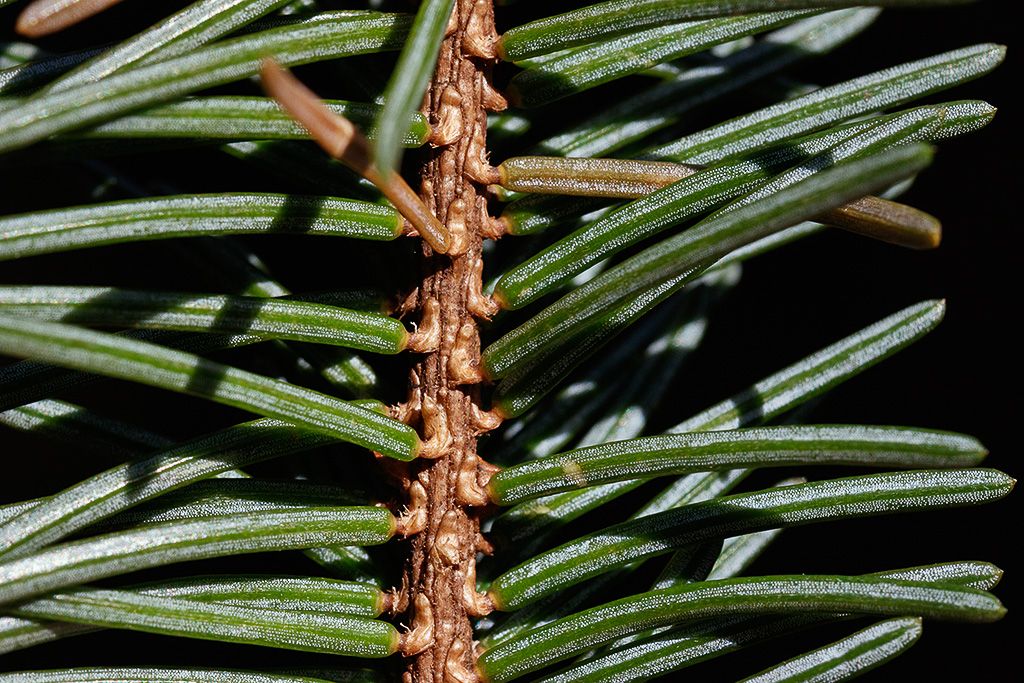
(438, 595)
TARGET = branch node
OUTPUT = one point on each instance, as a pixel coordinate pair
(491, 99)
(457, 228)
(478, 39)
(483, 545)
(407, 412)
(468, 490)
(449, 126)
(388, 600)
(480, 170)
(477, 604)
(427, 337)
(463, 365)
(415, 518)
(484, 420)
(407, 303)
(455, 669)
(494, 228)
(477, 302)
(477, 168)
(435, 428)
(448, 546)
(421, 636)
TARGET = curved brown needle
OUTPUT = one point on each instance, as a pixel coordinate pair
(43, 17)
(874, 217)
(342, 140)
(887, 221)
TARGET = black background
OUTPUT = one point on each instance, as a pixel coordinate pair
(963, 377)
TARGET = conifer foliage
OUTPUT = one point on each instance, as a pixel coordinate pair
(428, 320)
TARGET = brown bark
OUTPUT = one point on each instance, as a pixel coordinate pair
(438, 596)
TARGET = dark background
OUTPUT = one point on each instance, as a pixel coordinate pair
(964, 376)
